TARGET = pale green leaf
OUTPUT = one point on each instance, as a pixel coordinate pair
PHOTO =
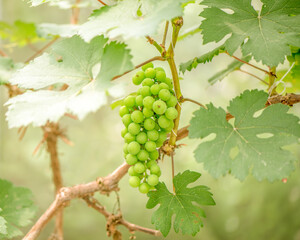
(16, 209)
(253, 144)
(66, 4)
(46, 30)
(188, 215)
(7, 68)
(266, 34)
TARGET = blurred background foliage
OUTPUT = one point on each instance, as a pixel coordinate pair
(249, 210)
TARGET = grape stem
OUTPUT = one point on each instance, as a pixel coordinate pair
(272, 78)
(263, 81)
(193, 101)
(165, 34)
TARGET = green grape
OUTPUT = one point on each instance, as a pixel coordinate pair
(141, 138)
(144, 188)
(134, 181)
(139, 167)
(172, 101)
(123, 132)
(153, 135)
(157, 127)
(123, 110)
(137, 116)
(134, 128)
(152, 180)
(169, 82)
(139, 100)
(129, 137)
(148, 65)
(164, 86)
(154, 89)
(150, 163)
(150, 146)
(138, 78)
(148, 102)
(149, 124)
(155, 169)
(131, 159)
(145, 91)
(159, 143)
(159, 69)
(162, 136)
(159, 107)
(163, 122)
(150, 73)
(147, 112)
(154, 155)
(164, 94)
(131, 171)
(134, 148)
(171, 126)
(143, 155)
(171, 113)
(148, 82)
(126, 119)
(125, 148)
(129, 101)
(160, 76)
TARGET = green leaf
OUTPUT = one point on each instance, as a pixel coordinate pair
(207, 57)
(86, 68)
(235, 65)
(188, 215)
(7, 68)
(252, 144)
(122, 19)
(266, 34)
(46, 30)
(16, 209)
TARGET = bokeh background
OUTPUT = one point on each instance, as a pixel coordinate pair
(248, 210)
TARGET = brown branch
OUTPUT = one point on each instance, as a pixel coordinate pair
(157, 58)
(75, 13)
(289, 99)
(165, 34)
(263, 81)
(193, 101)
(102, 2)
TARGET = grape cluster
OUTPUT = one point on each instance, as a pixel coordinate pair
(295, 57)
(148, 118)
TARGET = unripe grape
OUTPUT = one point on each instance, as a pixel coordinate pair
(150, 146)
(134, 128)
(162, 136)
(164, 94)
(123, 132)
(172, 101)
(147, 112)
(149, 124)
(157, 127)
(159, 107)
(138, 78)
(164, 86)
(131, 171)
(150, 73)
(171, 113)
(163, 122)
(150, 163)
(144, 188)
(145, 91)
(143, 155)
(125, 148)
(152, 180)
(123, 110)
(148, 82)
(137, 116)
(148, 102)
(134, 148)
(126, 119)
(154, 89)
(148, 65)
(159, 69)
(131, 159)
(129, 101)
(154, 155)
(129, 137)
(153, 135)
(139, 100)
(155, 169)
(168, 81)
(160, 76)
(171, 126)
(141, 138)
(134, 181)
(139, 167)
(159, 143)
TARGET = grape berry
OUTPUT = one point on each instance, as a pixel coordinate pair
(148, 118)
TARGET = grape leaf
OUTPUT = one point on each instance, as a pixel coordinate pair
(188, 215)
(16, 209)
(123, 20)
(7, 68)
(207, 57)
(46, 30)
(265, 34)
(251, 144)
(86, 68)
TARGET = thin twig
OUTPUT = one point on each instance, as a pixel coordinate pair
(42, 49)
(165, 33)
(157, 58)
(102, 2)
(263, 81)
(155, 44)
(240, 60)
(193, 101)
(75, 13)
(3, 54)
(173, 171)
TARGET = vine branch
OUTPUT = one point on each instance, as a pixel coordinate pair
(251, 74)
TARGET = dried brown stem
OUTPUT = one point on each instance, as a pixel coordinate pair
(263, 81)
(102, 2)
(289, 99)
